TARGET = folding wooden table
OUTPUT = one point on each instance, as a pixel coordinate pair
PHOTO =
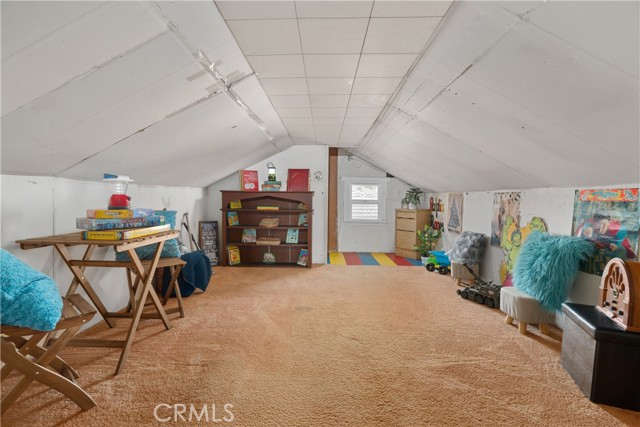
(144, 272)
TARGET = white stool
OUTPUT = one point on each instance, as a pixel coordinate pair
(525, 309)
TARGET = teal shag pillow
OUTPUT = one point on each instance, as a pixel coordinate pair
(547, 266)
(170, 248)
(28, 298)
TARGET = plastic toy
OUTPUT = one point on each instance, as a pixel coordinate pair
(119, 198)
(438, 260)
(482, 292)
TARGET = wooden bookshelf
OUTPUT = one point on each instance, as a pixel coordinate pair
(249, 216)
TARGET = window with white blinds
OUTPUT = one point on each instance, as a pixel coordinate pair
(364, 200)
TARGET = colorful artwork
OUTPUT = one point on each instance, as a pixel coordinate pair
(504, 204)
(511, 240)
(610, 219)
(454, 215)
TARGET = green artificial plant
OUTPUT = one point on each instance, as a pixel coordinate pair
(427, 238)
(413, 196)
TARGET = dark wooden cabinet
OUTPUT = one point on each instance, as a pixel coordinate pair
(288, 207)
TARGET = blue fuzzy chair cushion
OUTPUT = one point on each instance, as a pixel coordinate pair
(547, 266)
(170, 248)
(28, 298)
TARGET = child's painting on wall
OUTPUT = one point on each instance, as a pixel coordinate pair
(454, 213)
(504, 204)
(610, 219)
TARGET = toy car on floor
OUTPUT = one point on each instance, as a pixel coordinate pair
(482, 292)
(438, 260)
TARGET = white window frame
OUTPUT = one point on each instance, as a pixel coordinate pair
(382, 183)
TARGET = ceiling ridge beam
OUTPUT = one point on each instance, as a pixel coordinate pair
(210, 67)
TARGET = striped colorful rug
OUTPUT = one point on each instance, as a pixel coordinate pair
(370, 258)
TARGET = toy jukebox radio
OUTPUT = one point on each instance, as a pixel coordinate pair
(119, 184)
(620, 293)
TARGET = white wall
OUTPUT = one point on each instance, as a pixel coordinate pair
(312, 157)
(36, 206)
(554, 205)
(353, 237)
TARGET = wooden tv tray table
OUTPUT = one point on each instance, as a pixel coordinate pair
(142, 270)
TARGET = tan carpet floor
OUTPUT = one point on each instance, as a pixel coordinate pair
(329, 346)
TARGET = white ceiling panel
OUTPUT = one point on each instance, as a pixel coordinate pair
(17, 18)
(302, 140)
(111, 125)
(522, 7)
(560, 82)
(201, 134)
(399, 35)
(328, 121)
(470, 32)
(385, 65)
(266, 37)
(367, 101)
(329, 112)
(375, 85)
(199, 22)
(327, 139)
(331, 65)
(272, 66)
(472, 165)
(620, 17)
(515, 136)
(328, 101)
(328, 131)
(330, 86)
(301, 131)
(332, 35)
(298, 122)
(234, 9)
(424, 84)
(87, 43)
(251, 93)
(363, 112)
(290, 101)
(292, 86)
(333, 9)
(412, 8)
(359, 121)
(86, 97)
(294, 112)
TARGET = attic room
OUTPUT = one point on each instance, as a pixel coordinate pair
(514, 125)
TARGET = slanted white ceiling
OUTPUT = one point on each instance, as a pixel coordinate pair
(448, 96)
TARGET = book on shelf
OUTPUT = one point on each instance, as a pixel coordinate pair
(303, 220)
(232, 218)
(119, 213)
(271, 185)
(124, 234)
(268, 240)
(303, 258)
(249, 235)
(292, 235)
(234, 255)
(115, 223)
(269, 222)
(298, 180)
(235, 204)
(267, 208)
(249, 180)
